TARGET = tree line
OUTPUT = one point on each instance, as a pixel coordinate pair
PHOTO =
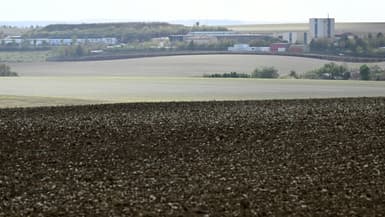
(369, 45)
(333, 71)
(264, 72)
(329, 71)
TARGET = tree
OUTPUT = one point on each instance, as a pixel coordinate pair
(5, 70)
(265, 72)
(191, 45)
(73, 51)
(80, 51)
(377, 73)
(333, 71)
(293, 74)
(329, 71)
(364, 72)
(321, 45)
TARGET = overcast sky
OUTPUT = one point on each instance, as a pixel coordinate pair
(254, 11)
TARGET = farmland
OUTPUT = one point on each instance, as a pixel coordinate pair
(177, 78)
(357, 28)
(217, 159)
(176, 66)
(212, 159)
(9, 101)
(104, 89)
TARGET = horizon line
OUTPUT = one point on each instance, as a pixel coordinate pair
(25, 23)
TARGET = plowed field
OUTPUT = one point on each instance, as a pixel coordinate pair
(250, 158)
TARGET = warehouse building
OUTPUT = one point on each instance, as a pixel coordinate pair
(214, 36)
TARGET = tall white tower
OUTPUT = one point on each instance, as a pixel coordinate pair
(322, 28)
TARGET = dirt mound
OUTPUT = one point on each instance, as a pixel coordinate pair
(252, 158)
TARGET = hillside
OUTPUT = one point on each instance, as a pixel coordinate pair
(12, 30)
(125, 32)
(357, 28)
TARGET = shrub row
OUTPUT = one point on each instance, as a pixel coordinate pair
(265, 72)
(330, 71)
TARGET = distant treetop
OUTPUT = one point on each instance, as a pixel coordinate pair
(89, 26)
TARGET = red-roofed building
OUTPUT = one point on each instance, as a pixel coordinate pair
(279, 47)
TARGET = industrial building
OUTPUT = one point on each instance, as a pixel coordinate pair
(293, 37)
(209, 37)
(247, 48)
(321, 28)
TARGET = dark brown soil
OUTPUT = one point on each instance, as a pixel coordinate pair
(257, 158)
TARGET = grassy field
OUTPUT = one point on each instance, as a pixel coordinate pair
(177, 78)
(23, 56)
(358, 28)
(176, 66)
(81, 90)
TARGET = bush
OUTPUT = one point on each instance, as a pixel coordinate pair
(293, 74)
(310, 75)
(228, 75)
(5, 70)
(73, 51)
(329, 71)
(265, 72)
(365, 72)
(377, 73)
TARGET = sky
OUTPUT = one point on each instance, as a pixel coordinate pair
(251, 11)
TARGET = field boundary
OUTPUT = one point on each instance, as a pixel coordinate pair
(191, 53)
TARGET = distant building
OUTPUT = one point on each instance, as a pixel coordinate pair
(262, 49)
(321, 28)
(176, 38)
(247, 48)
(162, 42)
(279, 47)
(12, 40)
(297, 48)
(201, 38)
(347, 35)
(57, 41)
(293, 37)
(214, 36)
(241, 47)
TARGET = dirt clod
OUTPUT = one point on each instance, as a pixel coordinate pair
(217, 159)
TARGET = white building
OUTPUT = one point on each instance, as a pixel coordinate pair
(247, 48)
(241, 47)
(262, 49)
(293, 37)
(322, 28)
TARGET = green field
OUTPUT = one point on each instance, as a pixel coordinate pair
(358, 28)
(175, 66)
(23, 56)
(84, 90)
